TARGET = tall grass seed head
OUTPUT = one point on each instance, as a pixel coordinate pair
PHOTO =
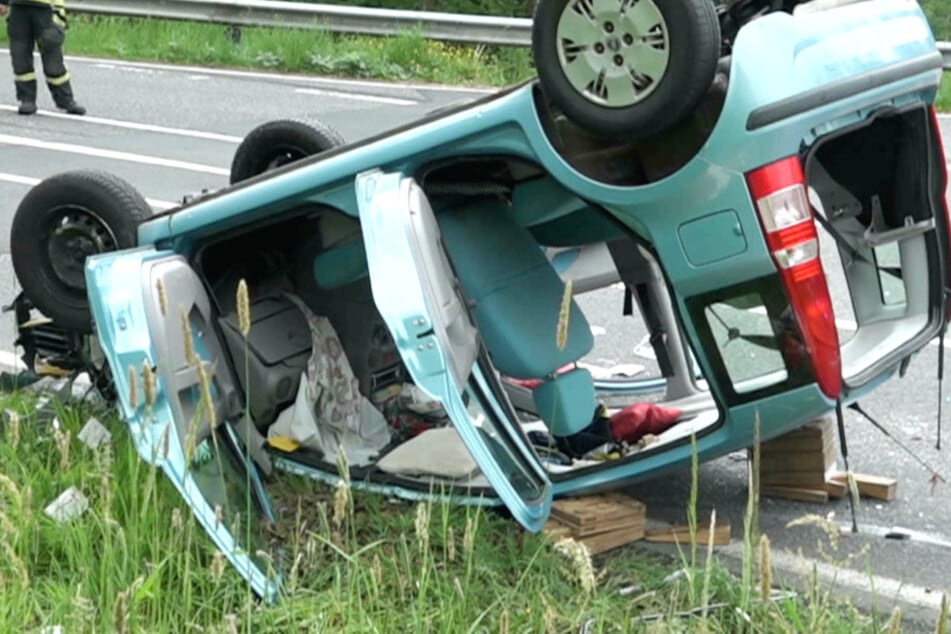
(188, 342)
(564, 317)
(894, 622)
(217, 566)
(13, 428)
(162, 296)
(421, 525)
(579, 560)
(342, 502)
(62, 444)
(133, 389)
(244, 308)
(451, 544)
(120, 614)
(148, 383)
(765, 567)
(204, 382)
(468, 537)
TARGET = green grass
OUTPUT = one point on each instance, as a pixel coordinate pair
(944, 94)
(137, 561)
(404, 57)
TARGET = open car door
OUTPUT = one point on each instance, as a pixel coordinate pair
(414, 289)
(150, 308)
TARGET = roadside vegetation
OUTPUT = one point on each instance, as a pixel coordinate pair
(136, 560)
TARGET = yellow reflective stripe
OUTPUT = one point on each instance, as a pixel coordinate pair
(57, 81)
(25, 77)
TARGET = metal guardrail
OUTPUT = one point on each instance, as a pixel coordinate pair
(474, 29)
(454, 27)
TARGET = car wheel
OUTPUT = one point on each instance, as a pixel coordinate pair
(62, 221)
(278, 143)
(625, 67)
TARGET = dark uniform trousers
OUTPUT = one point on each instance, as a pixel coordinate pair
(30, 23)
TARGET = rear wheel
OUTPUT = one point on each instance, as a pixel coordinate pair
(626, 67)
(278, 143)
(61, 222)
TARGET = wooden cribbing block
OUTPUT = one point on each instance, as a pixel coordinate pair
(797, 462)
(599, 513)
(794, 493)
(600, 522)
(875, 487)
(681, 535)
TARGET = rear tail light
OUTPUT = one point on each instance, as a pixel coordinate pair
(943, 178)
(779, 191)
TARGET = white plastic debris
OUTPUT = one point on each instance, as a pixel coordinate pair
(53, 629)
(70, 504)
(94, 434)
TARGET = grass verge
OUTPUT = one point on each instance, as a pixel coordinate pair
(137, 561)
(404, 57)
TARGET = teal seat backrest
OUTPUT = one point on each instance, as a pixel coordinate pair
(341, 264)
(516, 293)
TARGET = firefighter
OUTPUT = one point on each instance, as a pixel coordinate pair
(42, 22)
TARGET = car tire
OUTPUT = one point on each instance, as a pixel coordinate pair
(59, 223)
(278, 143)
(676, 61)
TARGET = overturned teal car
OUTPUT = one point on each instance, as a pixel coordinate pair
(405, 307)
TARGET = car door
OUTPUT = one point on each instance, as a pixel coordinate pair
(416, 293)
(151, 310)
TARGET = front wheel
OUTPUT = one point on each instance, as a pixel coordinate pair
(62, 221)
(630, 68)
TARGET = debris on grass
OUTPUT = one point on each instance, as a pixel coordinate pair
(70, 504)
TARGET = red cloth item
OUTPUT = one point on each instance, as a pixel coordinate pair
(635, 421)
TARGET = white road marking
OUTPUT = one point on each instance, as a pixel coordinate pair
(158, 205)
(131, 125)
(129, 157)
(878, 586)
(358, 97)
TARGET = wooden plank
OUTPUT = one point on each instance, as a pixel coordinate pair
(794, 493)
(797, 462)
(835, 489)
(822, 428)
(598, 543)
(609, 540)
(681, 535)
(802, 479)
(598, 513)
(795, 445)
(876, 487)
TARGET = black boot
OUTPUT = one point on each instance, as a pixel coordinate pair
(27, 107)
(63, 97)
(73, 108)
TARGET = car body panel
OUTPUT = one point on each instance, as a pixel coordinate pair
(415, 293)
(135, 330)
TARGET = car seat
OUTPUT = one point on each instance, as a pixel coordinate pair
(515, 297)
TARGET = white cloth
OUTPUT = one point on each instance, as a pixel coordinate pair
(330, 413)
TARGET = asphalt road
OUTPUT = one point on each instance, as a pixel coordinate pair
(172, 131)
